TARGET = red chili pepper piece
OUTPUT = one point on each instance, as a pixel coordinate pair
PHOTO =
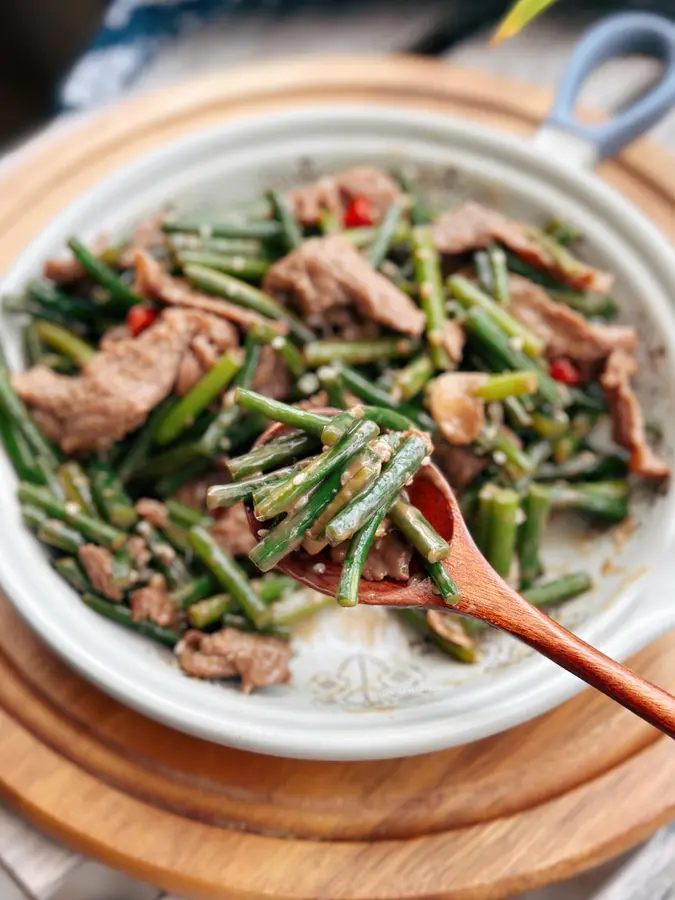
(564, 370)
(359, 212)
(139, 318)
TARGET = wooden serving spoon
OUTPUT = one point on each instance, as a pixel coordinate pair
(486, 596)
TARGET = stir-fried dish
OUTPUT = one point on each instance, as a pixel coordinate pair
(382, 336)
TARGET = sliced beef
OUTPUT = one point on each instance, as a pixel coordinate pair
(272, 377)
(450, 627)
(154, 603)
(155, 283)
(116, 389)
(334, 193)
(67, 269)
(388, 557)
(153, 511)
(459, 414)
(138, 551)
(193, 493)
(189, 373)
(565, 331)
(454, 340)
(214, 337)
(232, 532)
(316, 401)
(99, 565)
(346, 323)
(627, 418)
(258, 660)
(63, 270)
(325, 273)
(459, 465)
(149, 235)
(121, 384)
(113, 336)
(472, 226)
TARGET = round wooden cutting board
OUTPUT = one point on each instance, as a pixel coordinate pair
(536, 804)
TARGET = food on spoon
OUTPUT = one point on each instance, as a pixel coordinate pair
(468, 338)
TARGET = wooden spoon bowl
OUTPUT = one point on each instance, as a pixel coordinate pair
(429, 491)
(484, 595)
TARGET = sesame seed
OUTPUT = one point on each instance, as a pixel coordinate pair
(319, 568)
(72, 509)
(278, 343)
(516, 343)
(327, 372)
(308, 383)
(499, 457)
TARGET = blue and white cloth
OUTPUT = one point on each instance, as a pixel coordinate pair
(132, 33)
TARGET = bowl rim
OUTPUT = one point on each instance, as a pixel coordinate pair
(269, 733)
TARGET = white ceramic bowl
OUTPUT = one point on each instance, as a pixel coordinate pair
(362, 687)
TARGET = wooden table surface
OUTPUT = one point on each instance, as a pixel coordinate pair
(31, 866)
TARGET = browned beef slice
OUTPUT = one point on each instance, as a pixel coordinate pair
(63, 270)
(328, 272)
(113, 336)
(232, 532)
(334, 193)
(155, 283)
(316, 401)
(388, 557)
(272, 377)
(565, 331)
(472, 226)
(67, 269)
(459, 465)
(454, 340)
(259, 661)
(137, 549)
(116, 390)
(154, 511)
(460, 415)
(148, 235)
(449, 627)
(214, 337)
(627, 418)
(98, 563)
(153, 602)
(189, 373)
(193, 493)
(346, 323)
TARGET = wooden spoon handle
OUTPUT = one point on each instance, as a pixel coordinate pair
(533, 627)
